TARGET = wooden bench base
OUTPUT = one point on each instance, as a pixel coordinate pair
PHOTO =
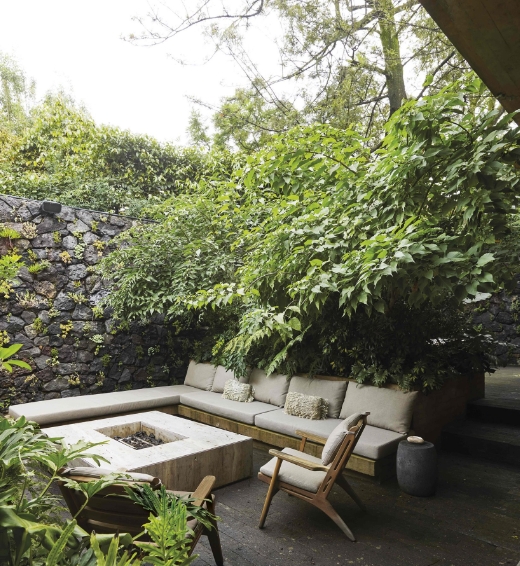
(380, 469)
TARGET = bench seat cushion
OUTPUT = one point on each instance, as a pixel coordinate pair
(375, 443)
(296, 475)
(215, 404)
(279, 421)
(99, 405)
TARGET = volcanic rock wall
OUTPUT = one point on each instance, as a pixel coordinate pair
(73, 346)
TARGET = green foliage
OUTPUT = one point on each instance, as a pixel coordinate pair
(6, 358)
(32, 533)
(38, 267)
(64, 155)
(317, 242)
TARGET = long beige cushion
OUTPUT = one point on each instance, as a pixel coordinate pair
(102, 404)
(270, 389)
(389, 408)
(279, 421)
(214, 403)
(333, 391)
(295, 475)
(374, 443)
(200, 376)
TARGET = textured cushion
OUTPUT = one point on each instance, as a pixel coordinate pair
(235, 391)
(90, 472)
(99, 405)
(333, 391)
(376, 443)
(336, 437)
(389, 408)
(269, 389)
(279, 421)
(306, 406)
(215, 404)
(221, 376)
(200, 375)
(295, 475)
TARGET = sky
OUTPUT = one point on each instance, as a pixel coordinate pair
(77, 46)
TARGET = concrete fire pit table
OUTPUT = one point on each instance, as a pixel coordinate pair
(190, 451)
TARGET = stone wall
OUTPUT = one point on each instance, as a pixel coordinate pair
(499, 315)
(73, 346)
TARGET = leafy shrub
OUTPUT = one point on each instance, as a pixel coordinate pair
(323, 256)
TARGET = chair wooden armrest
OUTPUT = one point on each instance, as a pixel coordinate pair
(203, 490)
(313, 437)
(299, 461)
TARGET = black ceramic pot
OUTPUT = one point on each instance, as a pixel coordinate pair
(417, 468)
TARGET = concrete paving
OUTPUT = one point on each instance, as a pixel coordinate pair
(474, 520)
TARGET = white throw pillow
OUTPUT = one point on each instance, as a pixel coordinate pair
(236, 391)
(336, 437)
(306, 406)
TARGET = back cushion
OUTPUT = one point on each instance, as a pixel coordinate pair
(221, 376)
(269, 389)
(389, 408)
(332, 391)
(200, 375)
(336, 438)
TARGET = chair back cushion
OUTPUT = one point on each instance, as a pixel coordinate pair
(332, 391)
(200, 376)
(306, 406)
(336, 437)
(270, 389)
(389, 408)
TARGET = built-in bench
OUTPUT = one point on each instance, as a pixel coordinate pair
(264, 419)
(393, 411)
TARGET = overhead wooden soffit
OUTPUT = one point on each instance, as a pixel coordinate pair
(487, 35)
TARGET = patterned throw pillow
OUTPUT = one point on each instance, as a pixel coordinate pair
(236, 391)
(306, 406)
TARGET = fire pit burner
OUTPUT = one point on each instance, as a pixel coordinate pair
(139, 440)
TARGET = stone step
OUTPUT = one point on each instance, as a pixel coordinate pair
(497, 442)
(500, 411)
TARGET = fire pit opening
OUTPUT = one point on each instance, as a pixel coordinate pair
(139, 435)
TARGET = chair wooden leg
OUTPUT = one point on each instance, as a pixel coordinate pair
(214, 537)
(271, 492)
(327, 508)
(343, 483)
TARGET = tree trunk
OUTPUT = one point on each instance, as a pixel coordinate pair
(391, 54)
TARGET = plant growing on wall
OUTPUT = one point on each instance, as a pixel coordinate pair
(7, 361)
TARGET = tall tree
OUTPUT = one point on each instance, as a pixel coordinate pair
(349, 58)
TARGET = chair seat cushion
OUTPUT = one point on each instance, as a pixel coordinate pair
(279, 421)
(215, 404)
(99, 405)
(295, 475)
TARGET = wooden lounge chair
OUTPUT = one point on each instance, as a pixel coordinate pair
(308, 478)
(114, 514)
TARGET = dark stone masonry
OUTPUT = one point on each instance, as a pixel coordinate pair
(73, 346)
(499, 316)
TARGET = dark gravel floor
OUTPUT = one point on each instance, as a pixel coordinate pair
(474, 520)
